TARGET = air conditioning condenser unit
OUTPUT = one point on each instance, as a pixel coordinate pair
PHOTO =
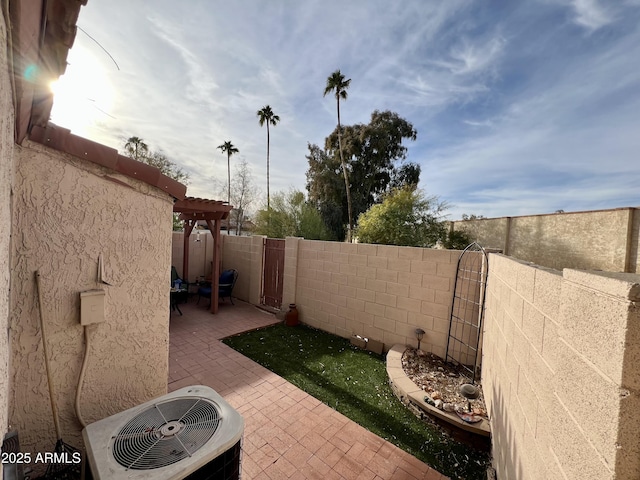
(192, 433)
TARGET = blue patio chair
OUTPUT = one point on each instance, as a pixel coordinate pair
(226, 282)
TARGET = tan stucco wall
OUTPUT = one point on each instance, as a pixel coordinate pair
(634, 243)
(491, 233)
(560, 372)
(66, 212)
(597, 240)
(6, 174)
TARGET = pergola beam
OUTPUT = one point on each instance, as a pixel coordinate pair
(213, 212)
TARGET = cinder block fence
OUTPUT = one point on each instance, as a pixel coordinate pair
(560, 348)
(376, 291)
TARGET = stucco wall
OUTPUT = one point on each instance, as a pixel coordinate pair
(66, 213)
(560, 372)
(491, 233)
(6, 171)
(634, 243)
(597, 240)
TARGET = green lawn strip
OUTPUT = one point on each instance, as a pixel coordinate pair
(354, 382)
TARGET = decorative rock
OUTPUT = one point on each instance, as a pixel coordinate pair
(436, 395)
(448, 407)
(438, 404)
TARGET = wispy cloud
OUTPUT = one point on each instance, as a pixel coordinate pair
(521, 107)
(592, 14)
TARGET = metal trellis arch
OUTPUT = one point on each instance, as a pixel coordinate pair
(467, 311)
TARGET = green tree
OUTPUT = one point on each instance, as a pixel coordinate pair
(159, 160)
(266, 116)
(137, 149)
(338, 84)
(376, 161)
(456, 240)
(326, 189)
(291, 216)
(405, 217)
(473, 216)
(228, 148)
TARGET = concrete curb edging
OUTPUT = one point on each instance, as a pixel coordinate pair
(413, 396)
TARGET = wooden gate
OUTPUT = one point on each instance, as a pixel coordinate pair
(273, 273)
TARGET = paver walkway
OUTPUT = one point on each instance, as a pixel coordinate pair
(288, 433)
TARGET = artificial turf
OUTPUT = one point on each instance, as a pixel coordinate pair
(354, 382)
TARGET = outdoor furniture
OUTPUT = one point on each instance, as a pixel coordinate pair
(177, 296)
(225, 286)
(175, 277)
(227, 282)
(179, 290)
(204, 290)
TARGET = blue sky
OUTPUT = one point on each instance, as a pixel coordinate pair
(521, 107)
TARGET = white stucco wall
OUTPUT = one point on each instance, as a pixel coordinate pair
(6, 167)
(66, 212)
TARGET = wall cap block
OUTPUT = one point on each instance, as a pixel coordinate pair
(622, 285)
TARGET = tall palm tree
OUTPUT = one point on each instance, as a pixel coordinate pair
(266, 115)
(228, 148)
(336, 82)
(136, 148)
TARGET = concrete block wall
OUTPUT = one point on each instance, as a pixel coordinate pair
(244, 254)
(558, 372)
(597, 240)
(200, 254)
(377, 291)
(289, 287)
(236, 254)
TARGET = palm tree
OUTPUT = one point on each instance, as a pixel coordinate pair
(266, 115)
(136, 148)
(228, 148)
(336, 82)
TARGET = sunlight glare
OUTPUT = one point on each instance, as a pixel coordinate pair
(83, 96)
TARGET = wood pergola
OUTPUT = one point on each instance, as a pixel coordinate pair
(191, 210)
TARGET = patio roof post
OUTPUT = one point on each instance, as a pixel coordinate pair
(192, 209)
(188, 228)
(214, 227)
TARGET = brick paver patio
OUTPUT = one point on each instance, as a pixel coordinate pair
(288, 433)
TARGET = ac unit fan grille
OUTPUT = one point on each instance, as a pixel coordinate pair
(166, 433)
